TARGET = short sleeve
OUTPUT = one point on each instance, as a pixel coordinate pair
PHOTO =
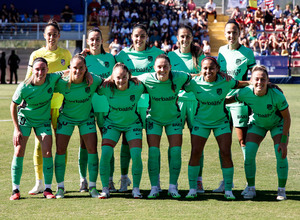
(17, 97)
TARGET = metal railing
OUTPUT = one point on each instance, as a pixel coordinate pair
(34, 31)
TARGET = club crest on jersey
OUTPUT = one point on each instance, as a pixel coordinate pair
(104, 130)
(150, 58)
(150, 125)
(59, 125)
(269, 106)
(219, 91)
(87, 89)
(132, 98)
(196, 128)
(238, 61)
(63, 62)
(50, 90)
(106, 64)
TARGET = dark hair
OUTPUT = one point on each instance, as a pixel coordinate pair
(96, 29)
(212, 59)
(53, 23)
(123, 66)
(196, 51)
(233, 21)
(143, 27)
(80, 57)
(164, 56)
(36, 60)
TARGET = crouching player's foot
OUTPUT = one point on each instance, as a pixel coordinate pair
(15, 195)
(48, 194)
(105, 193)
(60, 193)
(94, 192)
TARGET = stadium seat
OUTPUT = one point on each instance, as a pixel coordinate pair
(269, 28)
(46, 18)
(279, 27)
(296, 54)
(56, 18)
(67, 27)
(79, 18)
(275, 53)
(296, 63)
(80, 27)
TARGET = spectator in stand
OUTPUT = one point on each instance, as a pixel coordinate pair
(259, 18)
(114, 47)
(268, 16)
(35, 16)
(93, 4)
(183, 20)
(202, 21)
(164, 29)
(244, 40)
(206, 48)
(13, 14)
(248, 16)
(124, 4)
(103, 16)
(277, 12)
(94, 18)
(25, 19)
(253, 41)
(286, 12)
(127, 15)
(263, 42)
(237, 15)
(154, 12)
(174, 38)
(173, 23)
(164, 20)
(181, 12)
(191, 7)
(193, 20)
(210, 8)
(134, 5)
(154, 22)
(205, 36)
(67, 14)
(106, 5)
(134, 15)
(295, 42)
(296, 9)
(273, 42)
(155, 37)
(166, 46)
(115, 13)
(289, 23)
(115, 2)
(4, 11)
(3, 24)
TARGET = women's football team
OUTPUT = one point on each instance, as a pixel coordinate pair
(145, 89)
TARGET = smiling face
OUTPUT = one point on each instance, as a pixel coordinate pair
(39, 72)
(78, 70)
(259, 80)
(51, 35)
(162, 68)
(94, 41)
(232, 34)
(139, 38)
(185, 39)
(209, 69)
(120, 76)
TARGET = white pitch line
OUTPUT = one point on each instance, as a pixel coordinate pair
(5, 120)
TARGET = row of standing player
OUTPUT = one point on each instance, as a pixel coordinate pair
(186, 54)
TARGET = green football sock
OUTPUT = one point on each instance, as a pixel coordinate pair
(250, 164)
(16, 169)
(175, 164)
(153, 165)
(93, 164)
(48, 169)
(107, 152)
(193, 174)
(60, 167)
(228, 178)
(201, 164)
(124, 159)
(137, 165)
(82, 162)
(282, 167)
(112, 165)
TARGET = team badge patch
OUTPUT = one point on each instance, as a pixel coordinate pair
(87, 89)
(106, 64)
(238, 61)
(150, 58)
(104, 130)
(150, 125)
(219, 91)
(132, 98)
(269, 106)
(63, 62)
(50, 90)
(196, 128)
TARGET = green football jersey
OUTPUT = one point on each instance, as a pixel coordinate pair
(163, 106)
(265, 109)
(236, 63)
(77, 104)
(184, 62)
(36, 99)
(101, 65)
(122, 104)
(139, 62)
(211, 98)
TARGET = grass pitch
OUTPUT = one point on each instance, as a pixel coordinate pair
(210, 205)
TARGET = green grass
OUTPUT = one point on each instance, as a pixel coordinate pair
(208, 206)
